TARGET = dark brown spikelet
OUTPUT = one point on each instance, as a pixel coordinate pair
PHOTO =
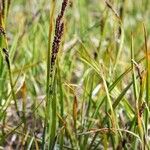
(3, 7)
(142, 108)
(2, 31)
(59, 28)
(5, 51)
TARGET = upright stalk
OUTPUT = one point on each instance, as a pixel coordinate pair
(52, 10)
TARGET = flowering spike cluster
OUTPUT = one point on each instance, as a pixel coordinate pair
(59, 28)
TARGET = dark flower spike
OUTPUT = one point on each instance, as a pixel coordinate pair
(59, 28)
(5, 51)
(4, 6)
(2, 31)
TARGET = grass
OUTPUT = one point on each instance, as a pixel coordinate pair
(74, 77)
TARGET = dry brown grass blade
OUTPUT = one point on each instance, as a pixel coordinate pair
(75, 111)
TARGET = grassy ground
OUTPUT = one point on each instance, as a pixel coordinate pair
(87, 88)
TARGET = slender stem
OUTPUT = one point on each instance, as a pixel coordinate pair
(52, 10)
